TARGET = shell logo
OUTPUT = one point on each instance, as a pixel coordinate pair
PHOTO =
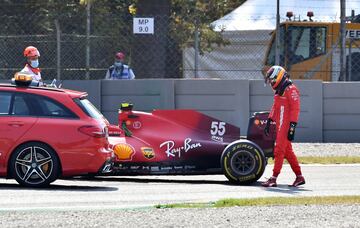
(124, 152)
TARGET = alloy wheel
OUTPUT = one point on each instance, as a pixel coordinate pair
(34, 165)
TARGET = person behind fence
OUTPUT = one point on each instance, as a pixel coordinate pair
(285, 112)
(119, 70)
(32, 55)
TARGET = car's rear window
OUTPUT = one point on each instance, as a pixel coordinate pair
(5, 99)
(88, 108)
(26, 104)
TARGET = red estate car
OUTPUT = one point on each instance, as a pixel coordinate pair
(46, 133)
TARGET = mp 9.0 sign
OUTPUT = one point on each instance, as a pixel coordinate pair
(143, 25)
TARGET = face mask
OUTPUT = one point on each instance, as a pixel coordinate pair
(118, 64)
(34, 63)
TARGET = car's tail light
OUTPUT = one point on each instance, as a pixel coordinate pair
(93, 131)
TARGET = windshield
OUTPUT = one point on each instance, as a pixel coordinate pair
(270, 61)
(305, 43)
(88, 108)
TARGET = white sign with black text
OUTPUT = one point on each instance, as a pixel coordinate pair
(143, 25)
(353, 34)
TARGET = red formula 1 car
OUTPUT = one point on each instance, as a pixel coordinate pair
(189, 142)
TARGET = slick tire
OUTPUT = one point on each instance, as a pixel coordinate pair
(243, 162)
(34, 165)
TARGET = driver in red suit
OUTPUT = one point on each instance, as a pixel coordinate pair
(285, 112)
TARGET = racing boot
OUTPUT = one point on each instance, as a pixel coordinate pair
(300, 180)
(271, 182)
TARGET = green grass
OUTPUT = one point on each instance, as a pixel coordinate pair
(325, 160)
(269, 201)
(284, 200)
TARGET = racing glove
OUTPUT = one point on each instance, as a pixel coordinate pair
(267, 127)
(291, 132)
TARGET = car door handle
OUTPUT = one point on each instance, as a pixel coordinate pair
(16, 123)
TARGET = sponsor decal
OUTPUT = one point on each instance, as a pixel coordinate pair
(148, 152)
(155, 168)
(137, 125)
(217, 130)
(172, 151)
(124, 152)
(217, 138)
(262, 122)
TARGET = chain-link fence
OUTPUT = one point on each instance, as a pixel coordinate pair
(241, 58)
(307, 51)
(71, 51)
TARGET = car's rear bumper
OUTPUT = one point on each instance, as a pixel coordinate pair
(98, 161)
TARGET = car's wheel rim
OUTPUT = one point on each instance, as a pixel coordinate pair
(242, 163)
(34, 165)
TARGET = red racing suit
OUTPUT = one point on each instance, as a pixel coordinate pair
(286, 109)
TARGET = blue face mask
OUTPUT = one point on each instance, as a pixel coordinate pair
(118, 64)
(34, 63)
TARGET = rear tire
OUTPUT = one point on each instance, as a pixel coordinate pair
(242, 162)
(34, 165)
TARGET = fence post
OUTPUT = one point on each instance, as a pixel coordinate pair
(196, 49)
(349, 61)
(58, 50)
(87, 75)
(277, 34)
(342, 41)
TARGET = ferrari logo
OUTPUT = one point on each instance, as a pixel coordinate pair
(148, 152)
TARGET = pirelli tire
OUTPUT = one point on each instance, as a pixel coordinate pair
(243, 162)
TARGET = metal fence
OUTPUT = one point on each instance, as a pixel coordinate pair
(241, 58)
(307, 52)
(70, 51)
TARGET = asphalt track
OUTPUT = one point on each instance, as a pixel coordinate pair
(119, 192)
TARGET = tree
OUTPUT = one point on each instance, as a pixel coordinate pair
(187, 15)
(32, 22)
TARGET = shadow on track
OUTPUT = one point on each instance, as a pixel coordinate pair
(135, 179)
(57, 187)
(284, 188)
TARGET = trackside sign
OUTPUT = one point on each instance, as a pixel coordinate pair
(143, 25)
(353, 34)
